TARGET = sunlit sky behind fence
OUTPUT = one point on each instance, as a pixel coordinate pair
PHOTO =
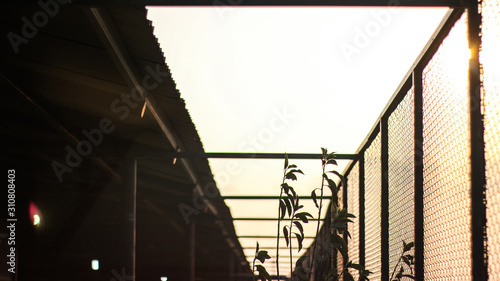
(285, 80)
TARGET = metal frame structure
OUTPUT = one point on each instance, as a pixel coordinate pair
(413, 78)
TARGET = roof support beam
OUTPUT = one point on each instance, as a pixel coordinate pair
(111, 39)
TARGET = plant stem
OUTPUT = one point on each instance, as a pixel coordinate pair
(290, 239)
(319, 214)
(396, 266)
(253, 269)
(279, 225)
(343, 270)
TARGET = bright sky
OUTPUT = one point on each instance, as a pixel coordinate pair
(285, 80)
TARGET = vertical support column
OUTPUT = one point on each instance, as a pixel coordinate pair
(477, 151)
(130, 187)
(418, 166)
(231, 266)
(345, 186)
(192, 250)
(362, 208)
(384, 210)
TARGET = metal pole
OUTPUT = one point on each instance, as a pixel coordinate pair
(192, 250)
(418, 167)
(477, 151)
(384, 220)
(130, 186)
(362, 208)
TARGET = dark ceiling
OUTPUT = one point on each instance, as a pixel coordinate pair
(63, 112)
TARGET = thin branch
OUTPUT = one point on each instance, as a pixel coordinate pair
(319, 213)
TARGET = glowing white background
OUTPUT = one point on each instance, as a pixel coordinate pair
(236, 67)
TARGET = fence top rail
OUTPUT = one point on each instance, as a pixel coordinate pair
(216, 3)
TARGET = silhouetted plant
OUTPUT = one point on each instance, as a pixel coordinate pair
(289, 206)
(338, 220)
(261, 256)
(404, 259)
(338, 236)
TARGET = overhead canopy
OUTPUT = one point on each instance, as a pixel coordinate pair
(73, 118)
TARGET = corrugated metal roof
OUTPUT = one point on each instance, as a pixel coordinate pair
(66, 70)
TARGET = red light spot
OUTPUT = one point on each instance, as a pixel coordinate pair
(35, 214)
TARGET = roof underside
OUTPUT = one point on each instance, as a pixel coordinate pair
(63, 83)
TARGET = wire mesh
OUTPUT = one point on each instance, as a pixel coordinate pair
(353, 208)
(491, 82)
(401, 178)
(373, 208)
(339, 260)
(447, 246)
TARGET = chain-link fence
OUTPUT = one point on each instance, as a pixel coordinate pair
(418, 175)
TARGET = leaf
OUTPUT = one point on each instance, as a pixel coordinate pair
(257, 248)
(290, 176)
(296, 171)
(410, 258)
(292, 191)
(363, 275)
(331, 162)
(262, 256)
(407, 247)
(335, 200)
(348, 276)
(286, 161)
(298, 207)
(339, 243)
(299, 227)
(291, 166)
(282, 209)
(355, 266)
(302, 272)
(323, 151)
(288, 204)
(406, 260)
(314, 198)
(400, 273)
(285, 233)
(303, 216)
(332, 185)
(299, 240)
(300, 261)
(263, 274)
(285, 187)
(341, 177)
(409, 276)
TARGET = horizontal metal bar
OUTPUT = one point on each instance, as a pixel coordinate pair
(377, 3)
(267, 236)
(273, 248)
(250, 276)
(244, 155)
(265, 219)
(259, 197)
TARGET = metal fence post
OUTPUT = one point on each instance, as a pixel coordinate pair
(384, 210)
(477, 151)
(418, 139)
(362, 243)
